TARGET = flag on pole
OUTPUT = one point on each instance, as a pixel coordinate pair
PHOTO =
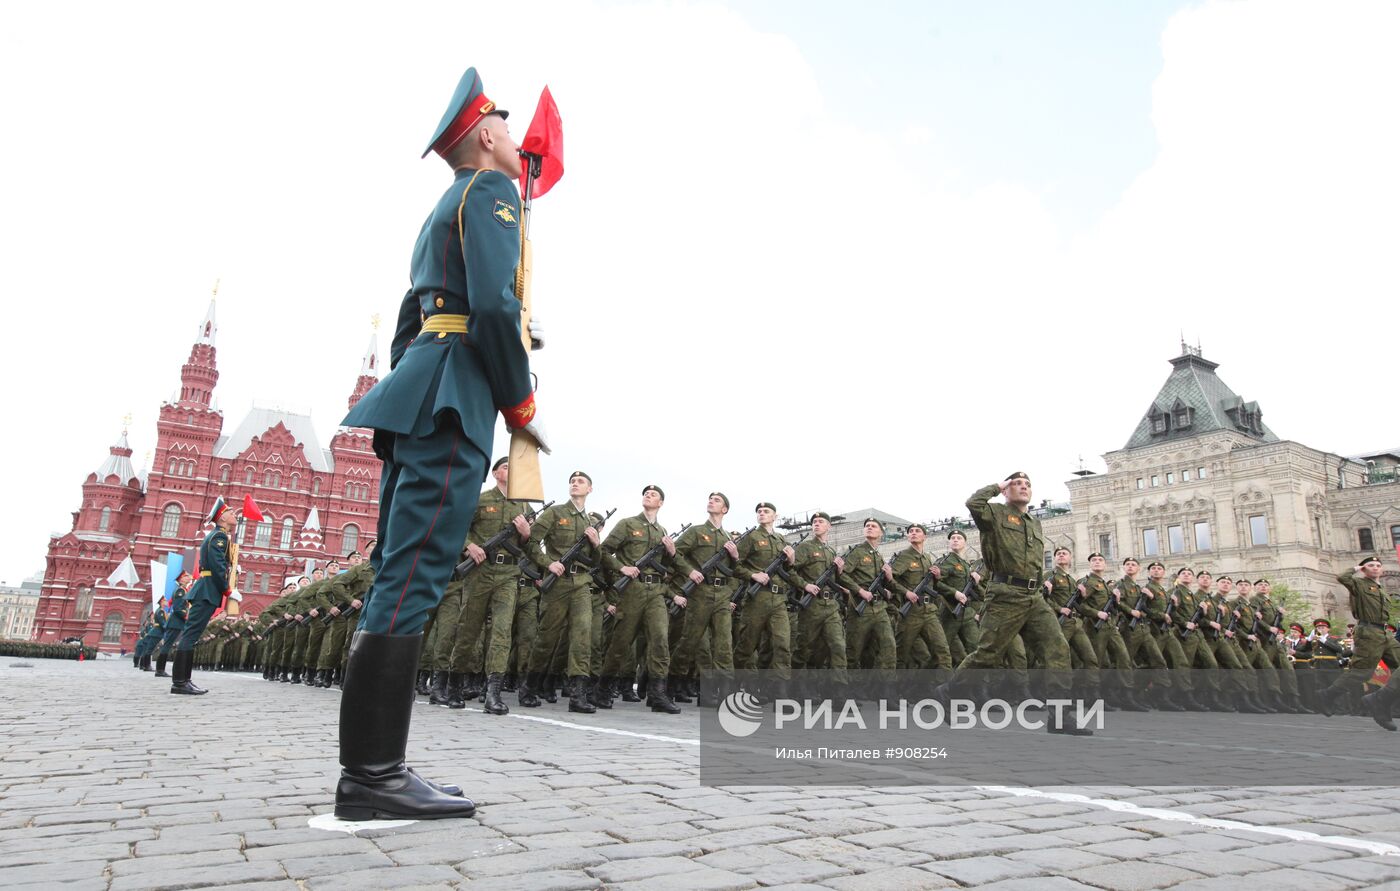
(250, 510)
(545, 138)
(158, 571)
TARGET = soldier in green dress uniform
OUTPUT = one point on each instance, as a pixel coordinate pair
(961, 632)
(870, 629)
(1098, 608)
(920, 625)
(1370, 642)
(708, 608)
(1060, 588)
(821, 636)
(765, 613)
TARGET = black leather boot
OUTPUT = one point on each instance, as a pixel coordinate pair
(549, 688)
(296, 675)
(508, 683)
(456, 690)
(578, 696)
(375, 711)
(180, 675)
(160, 666)
(493, 704)
(473, 686)
(1378, 704)
(437, 688)
(679, 689)
(626, 687)
(526, 697)
(1162, 700)
(423, 687)
(146, 662)
(658, 700)
(309, 679)
(1246, 704)
(1064, 723)
(601, 691)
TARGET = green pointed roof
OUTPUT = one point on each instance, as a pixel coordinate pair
(1195, 395)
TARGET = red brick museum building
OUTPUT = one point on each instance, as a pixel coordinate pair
(317, 504)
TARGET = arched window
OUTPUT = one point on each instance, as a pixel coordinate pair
(296, 481)
(105, 520)
(112, 628)
(223, 474)
(267, 478)
(83, 608)
(170, 521)
(349, 538)
(262, 538)
(316, 485)
(248, 477)
(286, 533)
(277, 478)
(1365, 539)
(172, 468)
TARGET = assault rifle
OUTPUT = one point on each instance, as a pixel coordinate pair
(826, 580)
(918, 591)
(1071, 604)
(1138, 607)
(773, 568)
(876, 589)
(1195, 620)
(500, 540)
(572, 553)
(1111, 608)
(648, 560)
(345, 610)
(970, 591)
(715, 564)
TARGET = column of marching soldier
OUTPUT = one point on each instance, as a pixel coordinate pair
(542, 602)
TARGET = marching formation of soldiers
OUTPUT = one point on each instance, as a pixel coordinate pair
(542, 601)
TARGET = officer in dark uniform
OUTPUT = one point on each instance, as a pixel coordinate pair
(175, 621)
(456, 360)
(206, 595)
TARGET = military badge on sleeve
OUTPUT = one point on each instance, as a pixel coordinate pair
(504, 213)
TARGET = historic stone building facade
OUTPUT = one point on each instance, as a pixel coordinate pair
(1202, 482)
(316, 502)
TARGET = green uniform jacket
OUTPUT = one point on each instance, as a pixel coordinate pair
(555, 531)
(1012, 543)
(954, 571)
(698, 544)
(1367, 598)
(1096, 597)
(1186, 604)
(811, 559)
(1062, 588)
(629, 541)
(909, 567)
(1157, 607)
(353, 583)
(756, 552)
(860, 569)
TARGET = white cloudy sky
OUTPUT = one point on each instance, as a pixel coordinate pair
(825, 256)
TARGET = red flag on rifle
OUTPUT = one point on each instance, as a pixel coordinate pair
(250, 510)
(545, 138)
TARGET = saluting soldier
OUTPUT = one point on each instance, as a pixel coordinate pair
(641, 611)
(920, 624)
(765, 613)
(1370, 642)
(457, 360)
(1014, 549)
(821, 637)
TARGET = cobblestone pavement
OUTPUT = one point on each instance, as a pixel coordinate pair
(109, 782)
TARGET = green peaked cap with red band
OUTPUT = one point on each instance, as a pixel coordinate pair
(466, 109)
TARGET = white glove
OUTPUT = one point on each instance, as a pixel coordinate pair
(536, 430)
(536, 337)
(234, 595)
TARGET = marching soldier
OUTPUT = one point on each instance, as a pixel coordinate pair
(708, 608)
(961, 631)
(870, 627)
(821, 637)
(1161, 609)
(1133, 598)
(1186, 627)
(490, 589)
(1061, 588)
(1099, 609)
(920, 624)
(337, 623)
(766, 611)
(1266, 678)
(1270, 618)
(566, 610)
(1218, 621)
(642, 609)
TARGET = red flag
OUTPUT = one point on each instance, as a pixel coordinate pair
(250, 510)
(545, 138)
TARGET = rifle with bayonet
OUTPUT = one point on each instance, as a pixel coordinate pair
(502, 539)
(714, 564)
(773, 568)
(649, 560)
(826, 580)
(572, 553)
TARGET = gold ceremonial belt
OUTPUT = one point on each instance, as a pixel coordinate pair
(206, 573)
(445, 323)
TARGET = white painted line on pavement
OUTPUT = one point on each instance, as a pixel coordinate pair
(335, 824)
(1157, 813)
